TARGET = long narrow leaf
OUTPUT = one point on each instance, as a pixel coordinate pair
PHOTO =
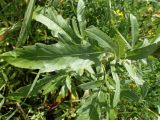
(81, 16)
(134, 29)
(102, 38)
(143, 52)
(57, 24)
(116, 98)
(26, 24)
(52, 26)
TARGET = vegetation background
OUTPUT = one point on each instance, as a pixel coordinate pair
(79, 59)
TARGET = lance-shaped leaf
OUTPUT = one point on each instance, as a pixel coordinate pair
(133, 73)
(102, 38)
(81, 16)
(54, 57)
(89, 109)
(134, 29)
(116, 98)
(80, 11)
(46, 84)
(130, 94)
(143, 52)
(121, 47)
(56, 23)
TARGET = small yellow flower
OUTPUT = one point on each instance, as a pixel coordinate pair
(150, 32)
(118, 13)
(132, 85)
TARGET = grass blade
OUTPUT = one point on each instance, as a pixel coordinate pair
(26, 24)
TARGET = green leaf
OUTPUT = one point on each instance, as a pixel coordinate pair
(80, 11)
(142, 52)
(2, 102)
(23, 91)
(26, 24)
(130, 94)
(88, 110)
(91, 85)
(53, 84)
(122, 40)
(68, 83)
(50, 18)
(134, 29)
(81, 16)
(133, 73)
(121, 47)
(53, 26)
(102, 38)
(103, 98)
(116, 98)
(75, 28)
(54, 57)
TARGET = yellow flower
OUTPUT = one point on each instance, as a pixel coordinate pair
(118, 13)
(132, 85)
(150, 32)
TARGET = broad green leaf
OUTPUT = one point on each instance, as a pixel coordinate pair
(133, 73)
(142, 52)
(26, 24)
(54, 57)
(102, 38)
(116, 98)
(134, 29)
